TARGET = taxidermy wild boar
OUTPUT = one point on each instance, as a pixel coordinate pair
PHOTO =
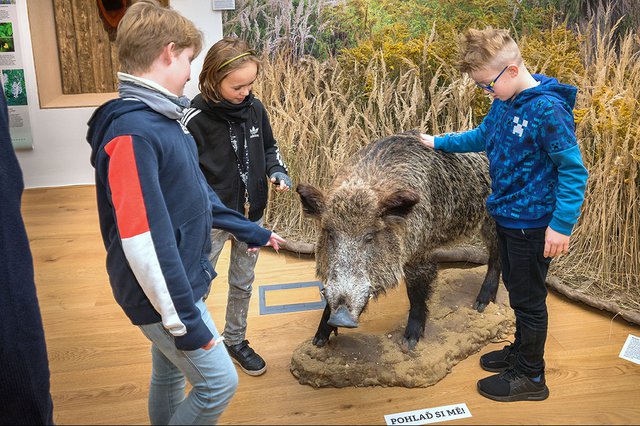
(390, 206)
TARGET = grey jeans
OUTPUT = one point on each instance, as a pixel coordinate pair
(241, 276)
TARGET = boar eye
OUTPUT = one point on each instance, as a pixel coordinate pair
(368, 237)
(331, 235)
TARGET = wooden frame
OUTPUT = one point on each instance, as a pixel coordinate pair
(48, 67)
(47, 61)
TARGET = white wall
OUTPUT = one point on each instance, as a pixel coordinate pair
(60, 154)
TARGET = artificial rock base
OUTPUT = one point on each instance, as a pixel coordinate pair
(453, 332)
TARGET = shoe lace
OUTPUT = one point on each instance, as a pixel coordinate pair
(510, 347)
(510, 374)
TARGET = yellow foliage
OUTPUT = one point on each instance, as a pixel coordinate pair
(579, 114)
(555, 52)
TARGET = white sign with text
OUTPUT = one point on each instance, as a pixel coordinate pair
(429, 415)
(631, 349)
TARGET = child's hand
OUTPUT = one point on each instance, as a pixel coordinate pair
(555, 243)
(427, 140)
(274, 241)
(282, 181)
(213, 343)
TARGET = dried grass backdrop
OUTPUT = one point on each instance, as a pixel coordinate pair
(605, 255)
(322, 111)
(321, 118)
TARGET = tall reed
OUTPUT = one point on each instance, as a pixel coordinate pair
(279, 25)
(605, 251)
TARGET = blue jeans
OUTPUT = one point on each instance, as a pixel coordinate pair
(211, 374)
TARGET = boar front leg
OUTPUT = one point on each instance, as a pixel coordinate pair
(418, 277)
(324, 329)
(489, 287)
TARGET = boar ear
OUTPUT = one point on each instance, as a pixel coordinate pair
(312, 200)
(398, 204)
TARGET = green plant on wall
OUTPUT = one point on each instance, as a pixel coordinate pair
(6, 30)
(14, 87)
(6, 37)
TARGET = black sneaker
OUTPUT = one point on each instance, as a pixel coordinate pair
(512, 385)
(499, 361)
(250, 362)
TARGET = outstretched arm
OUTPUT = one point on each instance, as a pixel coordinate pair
(274, 241)
(242, 228)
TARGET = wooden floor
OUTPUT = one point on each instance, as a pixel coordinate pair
(100, 363)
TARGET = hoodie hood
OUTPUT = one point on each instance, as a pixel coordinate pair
(103, 117)
(136, 93)
(549, 86)
(154, 95)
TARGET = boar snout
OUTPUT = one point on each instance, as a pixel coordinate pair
(341, 318)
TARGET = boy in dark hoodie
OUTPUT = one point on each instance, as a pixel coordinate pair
(156, 211)
(537, 181)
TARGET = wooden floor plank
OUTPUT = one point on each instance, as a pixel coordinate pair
(100, 363)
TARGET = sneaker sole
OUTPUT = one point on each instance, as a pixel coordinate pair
(250, 372)
(494, 370)
(529, 396)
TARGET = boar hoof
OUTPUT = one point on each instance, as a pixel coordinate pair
(408, 345)
(320, 341)
(479, 306)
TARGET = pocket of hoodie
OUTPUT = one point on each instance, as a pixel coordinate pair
(191, 239)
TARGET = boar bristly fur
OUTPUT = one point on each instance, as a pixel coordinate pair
(391, 205)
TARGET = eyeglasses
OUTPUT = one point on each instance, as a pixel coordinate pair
(489, 87)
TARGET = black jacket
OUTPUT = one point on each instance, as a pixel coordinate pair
(24, 375)
(211, 125)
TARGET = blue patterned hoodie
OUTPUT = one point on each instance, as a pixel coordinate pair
(538, 178)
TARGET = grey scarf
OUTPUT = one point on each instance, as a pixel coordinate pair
(164, 103)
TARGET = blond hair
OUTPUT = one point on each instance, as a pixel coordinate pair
(490, 47)
(146, 28)
(224, 57)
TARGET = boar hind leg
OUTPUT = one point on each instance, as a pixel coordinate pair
(418, 277)
(489, 287)
(324, 329)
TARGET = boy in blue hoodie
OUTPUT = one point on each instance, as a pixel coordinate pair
(537, 181)
(156, 211)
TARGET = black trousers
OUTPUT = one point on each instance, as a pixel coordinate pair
(524, 272)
